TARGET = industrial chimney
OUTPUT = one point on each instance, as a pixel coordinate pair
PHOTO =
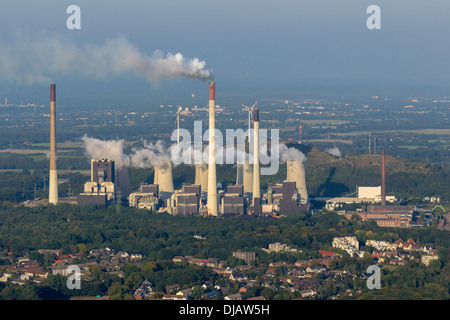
(155, 175)
(383, 179)
(53, 180)
(256, 172)
(201, 176)
(296, 173)
(212, 179)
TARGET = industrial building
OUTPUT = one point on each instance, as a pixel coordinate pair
(383, 214)
(365, 195)
(233, 202)
(146, 198)
(243, 199)
(282, 199)
(100, 189)
(186, 201)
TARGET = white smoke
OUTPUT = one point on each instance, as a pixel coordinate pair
(290, 154)
(149, 156)
(30, 61)
(334, 152)
(106, 149)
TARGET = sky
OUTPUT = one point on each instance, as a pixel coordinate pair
(246, 43)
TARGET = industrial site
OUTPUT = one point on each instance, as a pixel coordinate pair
(109, 185)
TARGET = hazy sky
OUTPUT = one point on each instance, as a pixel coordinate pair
(265, 42)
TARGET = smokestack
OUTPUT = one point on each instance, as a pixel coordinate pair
(383, 179)
(53, 180)
(212, 179)
(256, 172)
(155, 175)
(296, 173)
(201, 176)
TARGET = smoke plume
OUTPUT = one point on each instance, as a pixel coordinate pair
(334, 152)
(106, 149)
(31, 61)
(290, 154)
(149, 156)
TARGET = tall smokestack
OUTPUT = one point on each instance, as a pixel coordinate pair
(53, 180)
(212, 179)
(383, 180)
(256, 172)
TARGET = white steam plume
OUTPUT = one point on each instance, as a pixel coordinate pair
(290, 154)
(106, 149)
(149, 156)
(30, 61)
(334, 152)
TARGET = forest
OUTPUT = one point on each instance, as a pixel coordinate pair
(161, 237)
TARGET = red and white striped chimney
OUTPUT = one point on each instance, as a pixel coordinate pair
(256, 171)
(212, 179)
(383, 179)
(53, 179)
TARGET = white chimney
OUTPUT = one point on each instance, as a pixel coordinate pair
(212, 179)
(256, 171)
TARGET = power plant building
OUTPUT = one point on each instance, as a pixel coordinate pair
(233, 202)
(145, 198)
(101, 188)
(186, 201)
(282, 198)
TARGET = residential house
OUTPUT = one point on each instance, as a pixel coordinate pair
(236, 296)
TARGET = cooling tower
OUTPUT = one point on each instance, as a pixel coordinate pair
(256, 171)
(53, 179)
(212, 179)
(296, 173)
(164, 177)
(239, 174)
(201, 176)
(247, 172)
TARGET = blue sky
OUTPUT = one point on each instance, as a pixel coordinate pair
(265, 42)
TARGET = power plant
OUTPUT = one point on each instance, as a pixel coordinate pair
(205, 197)
(53, 179)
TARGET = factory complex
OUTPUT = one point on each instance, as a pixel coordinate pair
(206, 197)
